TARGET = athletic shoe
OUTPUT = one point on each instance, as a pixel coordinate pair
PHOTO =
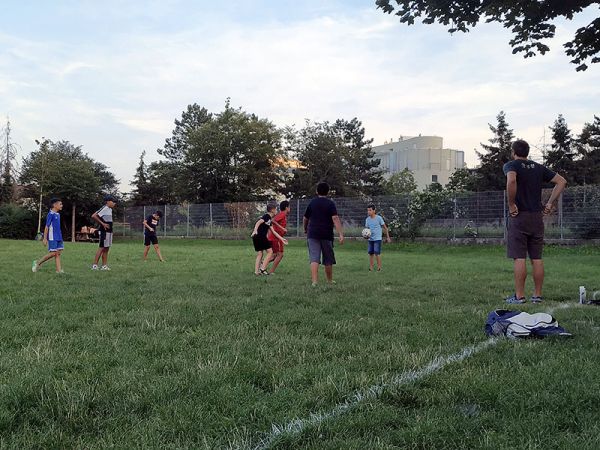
(264, 272)
(94, 267)
(536, 299)
(515, 301)
(104, 268)
(34, 267)
(314, 285)
(60, 272)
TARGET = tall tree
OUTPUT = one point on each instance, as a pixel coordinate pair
(178, 145)
(531, 22)
(143, 189)
(337, 153)
(233, 158)
(489, 174)
(7, 186)
(588, 147)
(230, 156)
(560, 158)
(63, 170)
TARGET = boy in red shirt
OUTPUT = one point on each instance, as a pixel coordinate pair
(280, 223)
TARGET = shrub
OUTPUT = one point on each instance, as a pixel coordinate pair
(16, 222)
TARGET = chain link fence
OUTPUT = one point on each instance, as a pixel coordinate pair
(465, 215)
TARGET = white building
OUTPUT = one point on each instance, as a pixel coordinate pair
(424, 156)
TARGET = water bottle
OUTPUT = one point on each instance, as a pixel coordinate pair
(582, 296)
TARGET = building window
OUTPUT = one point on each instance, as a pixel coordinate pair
(434, 179)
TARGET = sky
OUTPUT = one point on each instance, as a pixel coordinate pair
(113, 76)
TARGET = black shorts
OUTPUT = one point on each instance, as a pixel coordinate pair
(150, 240)
(525, 235)
(261, 243)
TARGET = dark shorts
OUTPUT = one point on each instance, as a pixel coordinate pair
(106, 238)
(525, 235)
(261, 243)
(277, 246)
(321, 247)
(374, 247)
(150, 240)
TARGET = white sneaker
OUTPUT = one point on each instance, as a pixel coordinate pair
(34, 267)
(104, 268)
(94, 267)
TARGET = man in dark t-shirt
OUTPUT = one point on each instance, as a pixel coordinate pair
(319, 219)
(150, 237)
(524, 182)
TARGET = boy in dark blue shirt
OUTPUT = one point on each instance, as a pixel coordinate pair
(52, 237)
(150, 224)
(319, 219)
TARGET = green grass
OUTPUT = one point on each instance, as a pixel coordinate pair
(199, 353)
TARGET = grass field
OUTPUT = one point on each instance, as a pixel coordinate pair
(200, 353)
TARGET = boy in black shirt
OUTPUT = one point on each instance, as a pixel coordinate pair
(261, 241)
(150, 224)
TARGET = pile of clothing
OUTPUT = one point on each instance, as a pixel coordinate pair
(517, 324)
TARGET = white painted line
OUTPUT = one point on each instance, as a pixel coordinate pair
(296, 426)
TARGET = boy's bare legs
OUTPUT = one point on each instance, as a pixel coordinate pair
(160, 258)
(58, 262)
(146, 248)
(371, 261)
(99, 253)
(314, 272)
(520, 270)
(538, 276)
(329, 273)
(276, 261)
(46, 258)
(105, 256)
(267, 259)
(257, 262)
(378, 257)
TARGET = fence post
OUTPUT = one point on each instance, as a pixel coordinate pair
(298, 217)
(165, 222)
(210, 219)
(124, 219)
(454, 216)
(560, 215)
(187, 227)
(504, 199)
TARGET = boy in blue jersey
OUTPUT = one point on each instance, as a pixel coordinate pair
(375, 223)
(52, 237)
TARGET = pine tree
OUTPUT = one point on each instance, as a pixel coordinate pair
(489, 174)
(588, 147)
(140, 182)
(560, 158)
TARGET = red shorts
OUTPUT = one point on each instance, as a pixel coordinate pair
(277, 246)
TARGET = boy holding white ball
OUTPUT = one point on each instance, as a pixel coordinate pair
(374, 223)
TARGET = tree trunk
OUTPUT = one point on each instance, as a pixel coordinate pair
(73, 223)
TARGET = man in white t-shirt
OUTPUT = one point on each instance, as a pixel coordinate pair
(104, 217)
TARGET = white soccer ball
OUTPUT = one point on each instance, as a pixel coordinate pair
(366, 233)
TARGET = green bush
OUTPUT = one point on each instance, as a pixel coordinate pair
(16, 222)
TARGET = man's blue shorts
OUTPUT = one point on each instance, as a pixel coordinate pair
(54, 246)
(374, 247)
